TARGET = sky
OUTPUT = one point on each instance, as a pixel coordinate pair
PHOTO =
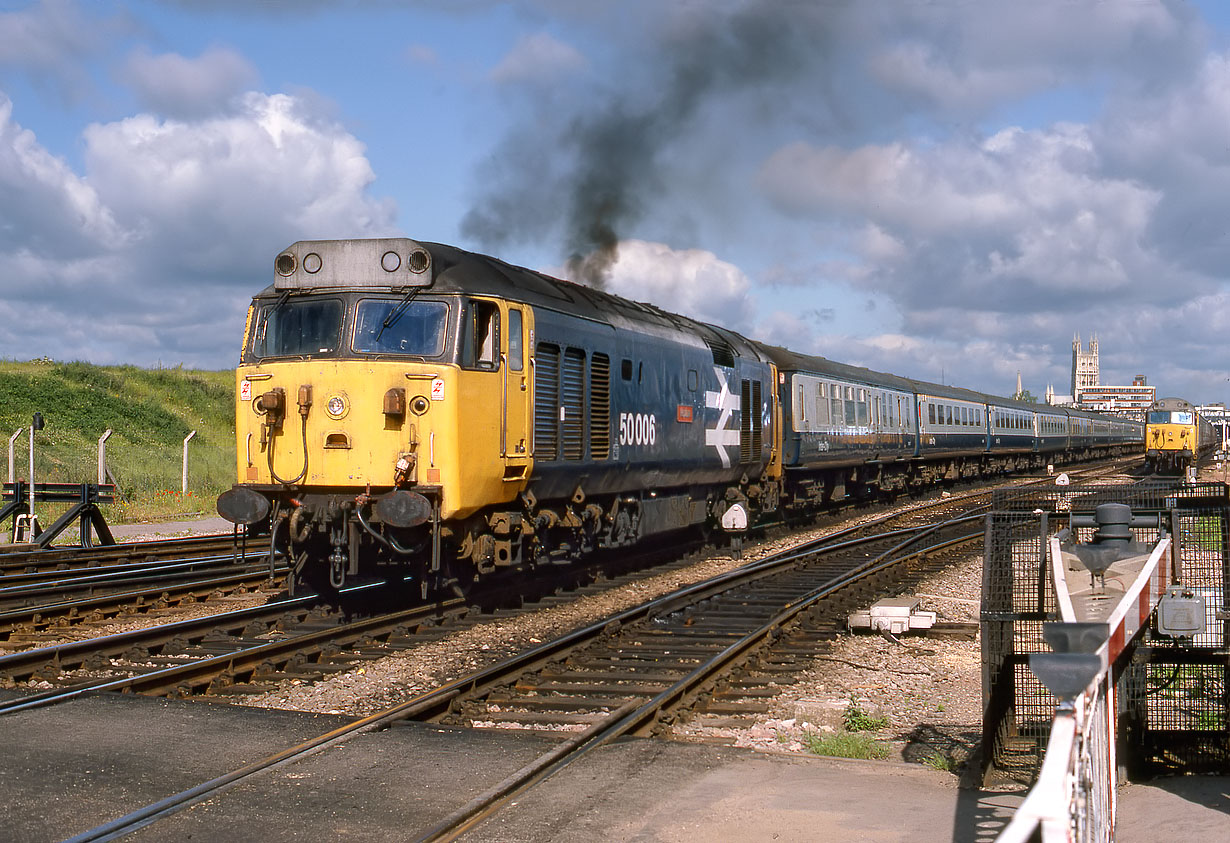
(942, 189)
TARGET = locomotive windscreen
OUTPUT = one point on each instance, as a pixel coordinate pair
(297, 328)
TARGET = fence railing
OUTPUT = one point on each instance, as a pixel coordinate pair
(1074, 797)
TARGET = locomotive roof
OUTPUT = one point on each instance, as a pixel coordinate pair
(454, 270)
(1171, 404)
(356, 265)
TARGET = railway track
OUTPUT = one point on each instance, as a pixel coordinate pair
(635, 672)
(700, 652)
(249, 650)
(42, 593)
(29, 560)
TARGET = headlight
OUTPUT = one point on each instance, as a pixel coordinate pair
(336, 406)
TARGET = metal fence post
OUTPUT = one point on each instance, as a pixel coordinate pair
(102, 457)
(12, 439)
(35, 424)
(184, 487)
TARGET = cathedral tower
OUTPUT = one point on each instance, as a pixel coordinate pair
(1084, 366)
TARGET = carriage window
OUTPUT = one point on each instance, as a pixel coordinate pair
(948, 415)
(931, 413)
(481, 343)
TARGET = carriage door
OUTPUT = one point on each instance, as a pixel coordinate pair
(516, 398)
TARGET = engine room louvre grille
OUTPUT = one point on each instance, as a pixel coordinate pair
(745, 423)
(546, 402)
(723, 355)
(757, 432)
(600, 407)
(572, 404)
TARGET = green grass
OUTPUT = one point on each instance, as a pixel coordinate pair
(149, 412)
(942, 763)
(845, 745)
(856, 720)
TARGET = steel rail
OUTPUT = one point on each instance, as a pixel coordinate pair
(634, 716)
(201, 671)
(76, 653)
(59, 557)
(112, 603)
(38, 584)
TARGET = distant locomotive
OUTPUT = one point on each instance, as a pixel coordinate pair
(458, 416)
(1176, 436)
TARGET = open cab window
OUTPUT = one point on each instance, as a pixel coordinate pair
(480, 338)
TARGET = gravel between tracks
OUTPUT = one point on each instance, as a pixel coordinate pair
(927, 689)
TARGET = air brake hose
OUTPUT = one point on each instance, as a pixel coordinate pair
(301, 474)
(387, 541)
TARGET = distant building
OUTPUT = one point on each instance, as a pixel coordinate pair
(1057, 400)
(1121, 400)
(1084, 366)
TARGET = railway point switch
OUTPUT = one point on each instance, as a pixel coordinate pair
(894, 615)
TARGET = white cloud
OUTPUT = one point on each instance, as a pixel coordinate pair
(176, 86)
(173, 225)
(1021, 219)
(211, 195)
(967, 57)
(691, 282)
(538, 58)
(51, 40)
(47, 209)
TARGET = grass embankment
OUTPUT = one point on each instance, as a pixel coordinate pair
(149, 412)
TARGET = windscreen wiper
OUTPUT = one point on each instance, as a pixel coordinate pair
(396, 312)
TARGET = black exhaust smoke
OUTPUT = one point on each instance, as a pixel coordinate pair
(593, 179)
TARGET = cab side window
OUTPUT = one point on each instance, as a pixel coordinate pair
(516, 357)
(481, 336)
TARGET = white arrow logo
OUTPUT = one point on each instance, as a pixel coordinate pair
(719, 437)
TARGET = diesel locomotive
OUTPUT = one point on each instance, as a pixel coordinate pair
(1177, 437)
(416, 411)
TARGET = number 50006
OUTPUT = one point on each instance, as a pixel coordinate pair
(638, 429)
